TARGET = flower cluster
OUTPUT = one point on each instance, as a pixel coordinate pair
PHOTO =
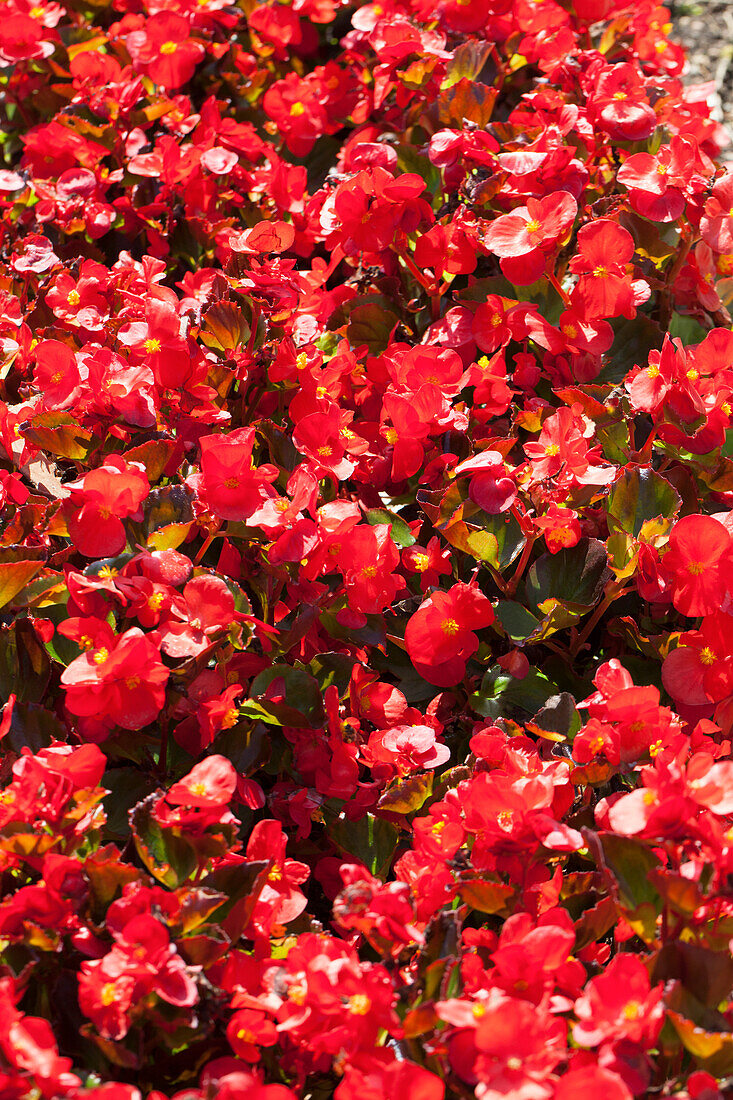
(366, 553)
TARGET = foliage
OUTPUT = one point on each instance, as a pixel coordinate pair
(366, 553)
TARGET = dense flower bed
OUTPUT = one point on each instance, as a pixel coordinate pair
(366, 557)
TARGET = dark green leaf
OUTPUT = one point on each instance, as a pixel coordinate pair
(296, 698)
(371, 840)
(641, 495)
(400, 532)
(576, 575)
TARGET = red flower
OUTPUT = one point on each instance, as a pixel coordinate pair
(619, 1004)
(247, 1031)
(591, 1080)
(447, 249)
(123, 684)
(604, 288)
(296, 109)
(700, 670)
(107, 495)
(204, 608)
(368, 559)
(375, 1078)
(619, 103)
(408, 748)
(560, 527)
(56, 374)
(659, 185)
(490, 486)
(164, 51)
(430, 562)
(280, 900)
(210, 783)
(525, 238)
(229, 483)
(699, 561)
(439, 636)
(716, 224)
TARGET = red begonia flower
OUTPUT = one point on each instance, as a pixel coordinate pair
(440, 635)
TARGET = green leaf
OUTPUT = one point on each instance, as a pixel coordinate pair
(154, 455)
(503, 696)
(371, 323)
(576, 575)
(247, 745)
(127, 787)
(688, 329)
(633, 340)
(168, 855)
(404, 796)
(630, 862)
(299, 700)
(557, 720)
(486, 897)
(707, 974)
(400, 532)
(33, 727)
(509, 537)
(712, 1050)
(515, 620)
(333, 668)
(24, 663)
(467, 101)
(224, 326)
(371, 840)
(639, 497)
(165, 506)
(466, 62)
(239, 882)
(14, 576)
(59, 434)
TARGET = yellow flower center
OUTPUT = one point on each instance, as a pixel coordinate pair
(73, 297)
(230, 718)
(449, 627)
(100, 656)
(152, 345)
(600, 272)
(707, 657)
(359, 1004)
(421, 562)
(168, 48)
(297, 110)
